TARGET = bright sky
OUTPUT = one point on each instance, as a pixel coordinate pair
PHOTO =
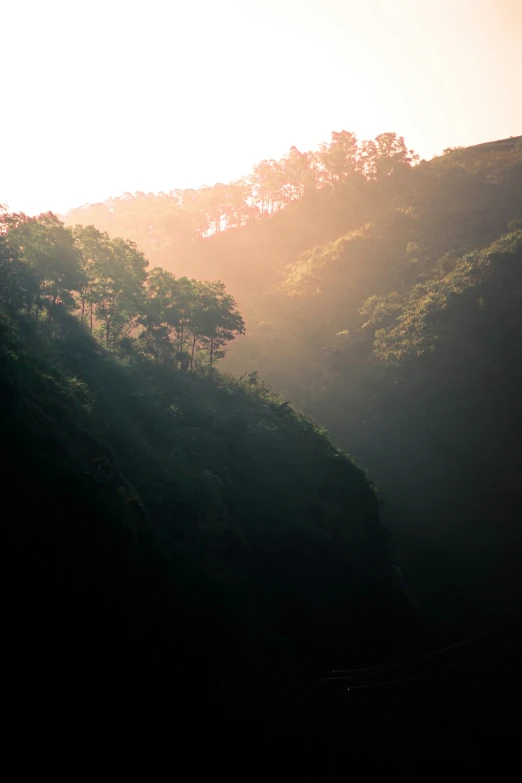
(102, 97)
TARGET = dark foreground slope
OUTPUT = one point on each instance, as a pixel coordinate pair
(400, 332)
(176, 551)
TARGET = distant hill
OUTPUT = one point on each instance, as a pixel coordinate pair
(245, 232)
(402, 337)
(497, 146)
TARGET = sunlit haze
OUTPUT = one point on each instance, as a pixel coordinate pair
(100, 98)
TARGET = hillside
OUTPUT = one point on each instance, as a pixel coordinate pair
(163, 522)
(246, 232)
(402, 338)
(384, 302)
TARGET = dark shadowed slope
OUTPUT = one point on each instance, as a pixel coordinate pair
(172, 537)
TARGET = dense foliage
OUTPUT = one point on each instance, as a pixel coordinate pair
(157, 221)
(44, 265)
(384, 302)
(401, 337)
(164, 521)
(283, 208)
(173, 519)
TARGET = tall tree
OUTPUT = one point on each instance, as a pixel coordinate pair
(298, 174)
(154, 318)
(47, 247)
(267, 183)
(95, 254)
(387, 155)
(19, 283)
(339, 160)
(119, 298)
(218, 319)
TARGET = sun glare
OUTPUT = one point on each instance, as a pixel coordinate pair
(120, 96)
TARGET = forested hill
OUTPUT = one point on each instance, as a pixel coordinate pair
(247, 232)
(250, 229)
(382, 296)
(402, 337)
(175, 537)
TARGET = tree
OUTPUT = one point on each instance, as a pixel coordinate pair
(95, 251)
(339, 160)
(159, 314)
(217, 320)
(47, 247)
(298, 174)
(387, 155)
(19, 283)
(166, 316)
(236, 208)
(182, 313)
(120, 277)
(267, 183)
(188, 314)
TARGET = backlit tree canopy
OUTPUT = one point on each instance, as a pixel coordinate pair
(272, 186)
(45, 265)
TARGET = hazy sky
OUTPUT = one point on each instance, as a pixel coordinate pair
(99, 98)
